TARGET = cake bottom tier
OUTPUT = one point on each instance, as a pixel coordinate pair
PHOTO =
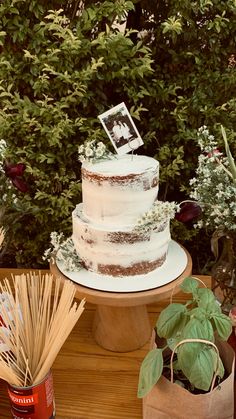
(121, 252)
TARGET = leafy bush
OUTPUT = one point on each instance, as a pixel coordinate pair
(194, 84)
(193, 47)
(57, 74)
(62, 65)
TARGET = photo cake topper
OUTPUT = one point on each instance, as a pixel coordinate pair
(120, 128)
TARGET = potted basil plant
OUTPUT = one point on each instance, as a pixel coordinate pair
(189, 357)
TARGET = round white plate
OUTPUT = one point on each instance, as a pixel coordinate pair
(173, 267)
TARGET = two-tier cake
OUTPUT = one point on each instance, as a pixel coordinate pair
(116, 193)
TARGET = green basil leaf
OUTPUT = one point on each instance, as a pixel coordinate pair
(150, 371)
(200, 372)
(198, 329)
(223, 325)
(221, 369)
(171, 320)
(172, 342)
(195, 329)
(206, 298)
(198, 313)
(189, 285)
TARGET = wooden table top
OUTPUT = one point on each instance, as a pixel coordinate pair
(90, 382)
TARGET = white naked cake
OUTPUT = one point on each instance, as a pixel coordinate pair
(106, 234)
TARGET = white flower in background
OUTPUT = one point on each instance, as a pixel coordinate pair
(3, 146)
(214, 186)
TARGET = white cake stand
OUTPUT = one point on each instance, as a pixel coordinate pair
(121, 320)
(174, 265)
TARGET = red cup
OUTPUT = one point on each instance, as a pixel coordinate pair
(34, 402)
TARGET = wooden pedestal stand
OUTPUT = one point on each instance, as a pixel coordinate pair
(121, 321)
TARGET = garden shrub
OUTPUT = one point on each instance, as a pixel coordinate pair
(57, 75)
(62, 64)
(194, 84)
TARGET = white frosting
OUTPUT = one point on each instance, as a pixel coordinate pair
(122, 165)
(95, 247)
(115, 194)
(118, 203)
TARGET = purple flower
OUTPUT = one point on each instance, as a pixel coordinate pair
(189, 211)
(15, 173)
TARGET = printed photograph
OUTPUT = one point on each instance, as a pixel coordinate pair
(121, 129)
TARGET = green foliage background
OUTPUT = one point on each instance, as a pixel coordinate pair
(62, 64)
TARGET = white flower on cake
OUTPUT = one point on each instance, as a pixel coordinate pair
(92, 151)
(160, 213)
(88, 152)
(64, 250)
(81, 149)
(101, 149)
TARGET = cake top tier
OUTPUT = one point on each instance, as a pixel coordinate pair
(118, 191)
(122, 166)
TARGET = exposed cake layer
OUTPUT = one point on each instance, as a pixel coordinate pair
(120, 251)
(118, 191)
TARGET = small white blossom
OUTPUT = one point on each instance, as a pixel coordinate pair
(213, 186)
(82, 159)
(101, 146)
(92, 151)
(81, 149)
(47, 254)
(3, 145)
(98, 153)
(158, 215)
(88, 152)
(64, 250)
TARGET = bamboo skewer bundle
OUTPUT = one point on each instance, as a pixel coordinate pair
(38, 316)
